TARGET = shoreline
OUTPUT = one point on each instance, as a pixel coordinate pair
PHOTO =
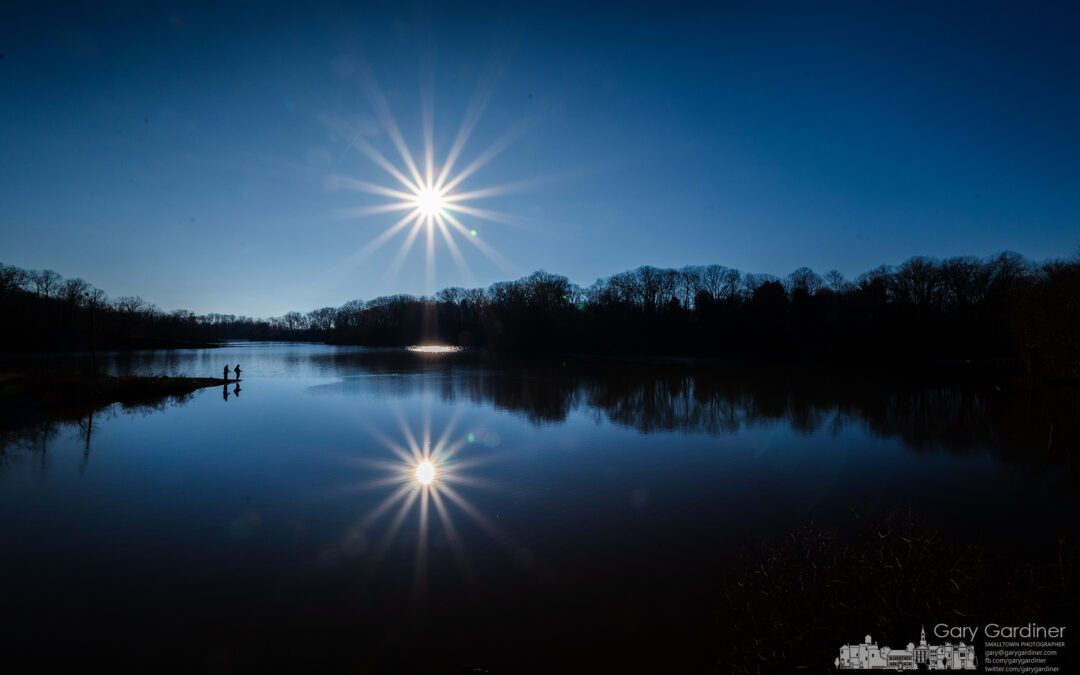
(26, 397)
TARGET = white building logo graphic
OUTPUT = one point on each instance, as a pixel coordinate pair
(868, 656)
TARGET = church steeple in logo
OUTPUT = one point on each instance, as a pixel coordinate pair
(869, 656)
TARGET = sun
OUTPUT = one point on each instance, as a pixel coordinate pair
(431, 202)
(429, 195)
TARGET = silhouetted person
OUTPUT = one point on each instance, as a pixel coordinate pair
(225, 373)
(237, 371)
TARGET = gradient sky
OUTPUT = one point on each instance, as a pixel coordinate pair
(186, 155)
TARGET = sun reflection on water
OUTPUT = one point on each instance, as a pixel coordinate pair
(425, 471)
(433, 349)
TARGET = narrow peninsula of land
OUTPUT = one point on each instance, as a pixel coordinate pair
(26, 396)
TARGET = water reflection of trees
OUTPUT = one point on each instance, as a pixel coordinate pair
(33, 433)
(957, 414)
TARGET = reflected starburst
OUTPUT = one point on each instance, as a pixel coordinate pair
(427, 473)
(432, 198)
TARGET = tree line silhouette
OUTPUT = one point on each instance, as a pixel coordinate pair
(1004, 310)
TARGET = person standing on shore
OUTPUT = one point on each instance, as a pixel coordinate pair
(237, 371)
(225, 372)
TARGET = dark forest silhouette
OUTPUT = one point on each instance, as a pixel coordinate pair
(1003, 310)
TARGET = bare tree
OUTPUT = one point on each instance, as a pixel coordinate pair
(348, 315)
(621, 288)
(729, 283)
(474, 297)
(688, 284)
(1008, 269)
(73, 291)
(712, 280)
(964, 280)
(917, 281)
(11, 278)
(669, 288)
(648, 286)
(295, 321)
(129, 304)
(720, 281)
(322, 318)
(546, 291)
(450, 296)
(834, 281)
(803, 279)
(44, 282)
(752, 282)
(95, 298)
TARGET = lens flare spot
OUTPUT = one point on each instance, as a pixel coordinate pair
(425, 472)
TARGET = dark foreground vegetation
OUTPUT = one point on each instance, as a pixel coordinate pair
(789, 599)
(1004, 310)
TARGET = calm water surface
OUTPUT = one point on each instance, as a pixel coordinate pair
(581, 517)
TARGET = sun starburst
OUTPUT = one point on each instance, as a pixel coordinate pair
(430, 195)
(425, 472)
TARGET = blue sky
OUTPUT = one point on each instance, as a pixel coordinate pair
(187, 154)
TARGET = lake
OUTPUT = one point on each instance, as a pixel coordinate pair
(581, 517)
